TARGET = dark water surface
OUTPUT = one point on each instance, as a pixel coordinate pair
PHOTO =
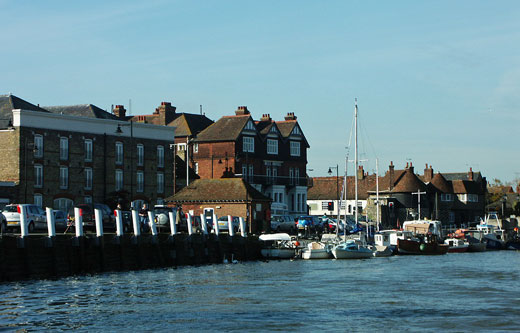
(456, 292)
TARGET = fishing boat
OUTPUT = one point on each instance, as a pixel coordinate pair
(456, 245)
(279, 246)
(317, 250)
(422, 244)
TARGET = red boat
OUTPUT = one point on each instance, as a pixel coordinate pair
(427, 246)
(456, 245)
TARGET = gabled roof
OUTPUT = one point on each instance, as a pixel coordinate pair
(466, 186)
(217, 190)
(386, 184)
(326, 188)
(82, 110)
(8, 103)
(287, 126)
(188, 124)
(227, 128)
(477, 176)
(440, 184)
(500, 189)
(409, 183)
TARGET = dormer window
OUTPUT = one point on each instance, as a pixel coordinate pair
(296, 130)
(250, 126)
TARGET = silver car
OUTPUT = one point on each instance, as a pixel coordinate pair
(36, 217)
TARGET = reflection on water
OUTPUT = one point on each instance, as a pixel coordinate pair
(455, 292)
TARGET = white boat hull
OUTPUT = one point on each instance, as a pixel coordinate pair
(278, 253)
(315, 254)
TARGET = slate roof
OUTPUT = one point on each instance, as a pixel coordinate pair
(227, 128)
(188, 124)
(462, 176)
(324, 188)
(82, 110)
(8, 103)
(409, 183)
(440, 184)
(217, 190)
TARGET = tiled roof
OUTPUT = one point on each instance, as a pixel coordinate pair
(8, 103)
(500, 189)
(286, 127)
(409, 183)
(324, 188)
(263, 127)
(467, 186)
(441, 184)
(82, 110)
(188, 124)
(385, 182)
(462, 176)
(216, 190)
(227, 128)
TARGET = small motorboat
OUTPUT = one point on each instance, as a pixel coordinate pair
(381, 251)
(280, 246)
(456, 245)
(351, 249)
(317, 250)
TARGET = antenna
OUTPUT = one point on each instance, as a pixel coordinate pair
(130, 107)
(201, 109)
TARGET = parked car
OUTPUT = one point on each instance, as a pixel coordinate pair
(60, 219)
(89, 219)
(308, 224)
(223, 224)
(283, 223)
(36, 217)
(3, 223)
(162, 218)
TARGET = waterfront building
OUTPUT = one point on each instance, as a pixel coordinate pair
(82, 154)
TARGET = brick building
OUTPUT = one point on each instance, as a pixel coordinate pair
(81, 154)
(270, 155)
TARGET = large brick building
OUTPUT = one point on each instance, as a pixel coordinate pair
(81, 154)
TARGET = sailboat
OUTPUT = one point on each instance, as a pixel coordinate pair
(352, 248)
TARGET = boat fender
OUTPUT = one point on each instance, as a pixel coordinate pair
(422, 247)
(296, 243)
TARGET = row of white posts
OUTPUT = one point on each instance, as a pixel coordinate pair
(78, 220)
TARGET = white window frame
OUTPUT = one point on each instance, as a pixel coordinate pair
(248, 144)
(291, 176)
(64, 148)
(244, 171)
(88, 178)
(140, 154)
(325, 205)
(119, 180)
(196, 168)
(196, 148)
(297, 176)
(160, 156)
(64, 177)
(250, 126)
(251, 169)
(38, 145)
(38, 175)
(87, 199)
(38, 199)
(272, 147)
(463, 197)
(473, 197)
(295, 148)
(88, 150)
(119, 152)
(140, 181)
(446, 197)
(160, 182)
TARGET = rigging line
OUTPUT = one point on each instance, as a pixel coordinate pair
(368, 138)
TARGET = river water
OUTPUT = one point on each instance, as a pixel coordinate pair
(455, 292)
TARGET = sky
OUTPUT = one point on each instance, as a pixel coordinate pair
(437, 82)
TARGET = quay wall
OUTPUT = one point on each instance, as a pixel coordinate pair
(42, 257)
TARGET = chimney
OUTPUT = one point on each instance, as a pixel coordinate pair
(391, 174)
(119, 111)
(166, 113)
(411, 167)
(241, 111)
(470, 174)
(406, 165)
(360, 173)
(290, 116)
(266, 117)
(428, 173)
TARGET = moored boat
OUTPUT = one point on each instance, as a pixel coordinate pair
(279, 246)
(421, 246)
(456, 245)
(317, 250)
(350, 249)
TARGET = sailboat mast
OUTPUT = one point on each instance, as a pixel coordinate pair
(377, 193)
(356, 161)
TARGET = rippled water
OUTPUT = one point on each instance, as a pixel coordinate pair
(455, 292)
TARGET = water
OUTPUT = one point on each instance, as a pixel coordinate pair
(456, 292)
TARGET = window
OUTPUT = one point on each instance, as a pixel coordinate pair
(244, 171)
(64, 177)
(272, 146)
(275, 172)
(140, 181)
(119, 152)
(88, 199)
(160, 156)
(446, 197)
(472, 197)
(63, 204)
(88, 150)
(295, 148)
(38, 175)
(268, 172)
(196, 148)
(88, 178)
(181, 146)
(248, 144)
(251, 172)
(119, 180)
(38, 146)
(38, 200)
(250, 126)
(140, 155)
(296, 130)
(325, 205)
(452, 217)
(291, 176)
(64, 148)
(197, 168)
(160, 182)
(297, 176)
(160, 201)
(462, 197)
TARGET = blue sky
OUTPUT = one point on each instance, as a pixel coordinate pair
(437, 82)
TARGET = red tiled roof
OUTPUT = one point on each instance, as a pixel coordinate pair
(227, 128)
(324, 188)
(441, 184)
(409, 183)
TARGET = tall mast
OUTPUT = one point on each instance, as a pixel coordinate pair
(356, 161)
(377, 193)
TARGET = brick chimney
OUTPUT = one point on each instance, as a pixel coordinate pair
(360, 172)
(119, 111)
(428, 173)
(290, 116)
(266, 117)
(470, 174)
(166, 113)
(410, 167)
(391, 174)
(242, 110)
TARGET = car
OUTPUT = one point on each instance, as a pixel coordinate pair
(60, 219)
(36, 216)
(3, 223)
(162, 217)
(283, 223)
(223, 224)
(89, 219)
(308, 223)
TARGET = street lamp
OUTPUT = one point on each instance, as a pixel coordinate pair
(337, 187)
(504, 201)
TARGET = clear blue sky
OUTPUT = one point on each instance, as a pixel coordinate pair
(437, 82)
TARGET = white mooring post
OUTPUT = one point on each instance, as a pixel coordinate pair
(215, 224)
(203, 224)
(190, 226)
(230, 225)
(243, 230)
(136, 223)
(78, 220)
(151, 221)
(119, 223)
(98, 216)
(173, 225)
(24, 228)
(51, 226)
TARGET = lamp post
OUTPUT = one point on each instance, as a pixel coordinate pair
(504, 201)
(337, 187)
